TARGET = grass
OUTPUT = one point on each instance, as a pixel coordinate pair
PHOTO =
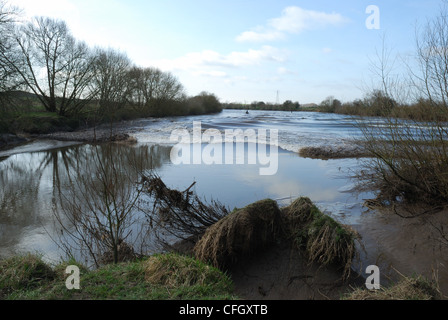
(161, 277)
(24, 273)
(240, 235)
(325, 240)
(177, 273)
(409, 288)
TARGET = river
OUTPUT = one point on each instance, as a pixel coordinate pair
(34, 176)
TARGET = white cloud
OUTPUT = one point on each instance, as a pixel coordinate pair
(293, 20)
(254, 36)
(48, 8)
(58, 9)
(296, 20)
(212, 74)
(201, 62)
(285, 71)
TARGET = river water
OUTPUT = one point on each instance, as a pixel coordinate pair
(34, 176)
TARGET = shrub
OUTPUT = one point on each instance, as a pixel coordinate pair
(410, 160)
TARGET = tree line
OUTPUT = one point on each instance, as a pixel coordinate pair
(67, 77)
(288, 105)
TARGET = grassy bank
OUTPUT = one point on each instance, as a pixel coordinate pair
(245, 233)
(27, 116)
(161, 277)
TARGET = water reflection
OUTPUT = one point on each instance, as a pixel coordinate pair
(32, 186)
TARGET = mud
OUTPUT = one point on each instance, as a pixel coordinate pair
(406, 246)
(283, 273)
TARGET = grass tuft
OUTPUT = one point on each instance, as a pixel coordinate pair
(23, 272)
(325, 240)
(409, 288)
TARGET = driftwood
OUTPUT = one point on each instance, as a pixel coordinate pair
(180, 214)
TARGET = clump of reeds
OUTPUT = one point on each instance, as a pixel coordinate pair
(240, 234)
(324, 240)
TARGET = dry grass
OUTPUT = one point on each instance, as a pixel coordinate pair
(325, 240)
(240, 234)
(328, 152)
(409, 288)
(246, 231)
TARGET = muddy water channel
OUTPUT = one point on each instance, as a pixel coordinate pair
(35, 178)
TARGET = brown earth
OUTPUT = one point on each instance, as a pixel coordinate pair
(282, 273)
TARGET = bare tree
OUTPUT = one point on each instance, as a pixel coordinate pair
(110, 80)
(169, 87)
(52, 64)
(411, 156)
(144, 83)
(152, 89)
(8, 16)
(432, 55)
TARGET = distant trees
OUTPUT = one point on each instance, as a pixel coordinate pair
(292, 106)
(261, 105)
(154, 92)
(204, 103)
(330, 105)
(109, 82)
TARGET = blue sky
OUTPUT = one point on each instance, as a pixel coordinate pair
(247, 50)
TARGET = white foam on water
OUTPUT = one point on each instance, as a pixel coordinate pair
(293, 133)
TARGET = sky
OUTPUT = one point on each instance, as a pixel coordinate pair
(246, 50)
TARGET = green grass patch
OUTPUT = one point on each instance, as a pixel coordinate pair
(24, 273)
(41, 123)
(187, 277)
